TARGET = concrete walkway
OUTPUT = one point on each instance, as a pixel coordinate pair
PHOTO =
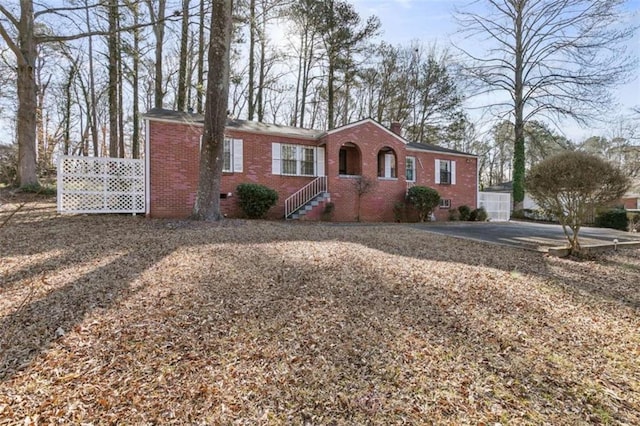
(533, 236)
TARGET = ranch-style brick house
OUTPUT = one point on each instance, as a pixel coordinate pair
(308, 168)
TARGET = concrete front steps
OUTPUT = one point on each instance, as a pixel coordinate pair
(313, 209)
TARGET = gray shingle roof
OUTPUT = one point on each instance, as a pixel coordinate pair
(436, 148)
(236, 124)
(276, 129)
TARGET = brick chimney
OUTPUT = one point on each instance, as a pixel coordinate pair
(396, 128)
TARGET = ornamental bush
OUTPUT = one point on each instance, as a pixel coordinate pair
(568, 186)
(479, 214)
(465, 212)
(424, 200)
(255, 200)
(615, 219)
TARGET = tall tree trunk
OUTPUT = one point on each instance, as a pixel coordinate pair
(308, 59)
(135, 136)
(252, 61)
(67, 108)
(330, 93)
(113, 78)
(26, 86)
(41, 136)
(190, 71)
(518, 148)
(294, 116)
(92, 110)
(201, 43)
(158, 30)
(207, 205)
(121, 150)
(184, 51)
(261, 71)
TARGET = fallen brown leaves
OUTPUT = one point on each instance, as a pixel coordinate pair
(107, 319)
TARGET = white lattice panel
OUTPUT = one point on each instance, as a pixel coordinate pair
(100, 185)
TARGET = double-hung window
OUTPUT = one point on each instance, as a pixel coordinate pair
(232, 158)
(297, 160)
(410, 163)
(445, 172)
(307, 161)
(289, 160)
(232, 155)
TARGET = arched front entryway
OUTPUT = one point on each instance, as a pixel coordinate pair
(387, 163)
(349, 160)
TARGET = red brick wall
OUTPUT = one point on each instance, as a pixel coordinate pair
(174, 165)
(464, 192)
(379, 203)
(630, 203)
(173, 160)
(173, 168)
(257, 169)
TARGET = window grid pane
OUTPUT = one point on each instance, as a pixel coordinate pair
(445, 171)
(410, 169)
(307, 163)
(289, 163)
(226, 155)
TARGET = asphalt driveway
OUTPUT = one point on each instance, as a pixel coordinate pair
(534, 236)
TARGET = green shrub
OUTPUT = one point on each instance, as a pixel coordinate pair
(479, 214)
(465, 212)
(400, 212)
(454, 216)
(424, 200)
(614, 218)
(255, 200)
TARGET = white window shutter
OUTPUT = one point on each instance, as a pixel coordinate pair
(237, 155)
(453, 173)
(275, 159)
(320, 161)
(437, 171)
(388, 160)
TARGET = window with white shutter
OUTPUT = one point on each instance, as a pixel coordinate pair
(297, 160)
(232, 155)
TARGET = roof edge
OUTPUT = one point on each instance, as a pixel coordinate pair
(367, 120)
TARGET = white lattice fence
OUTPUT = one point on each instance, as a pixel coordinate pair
(497, 205)
(100, 185)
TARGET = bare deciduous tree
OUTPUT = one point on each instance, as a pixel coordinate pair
(555, 58)
(362, 185)
(207, 205)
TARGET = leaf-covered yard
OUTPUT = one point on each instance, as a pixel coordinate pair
(108, 319)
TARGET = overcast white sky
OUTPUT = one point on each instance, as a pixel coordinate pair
(432, 21)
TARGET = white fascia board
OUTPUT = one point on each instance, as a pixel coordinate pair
(433, 151)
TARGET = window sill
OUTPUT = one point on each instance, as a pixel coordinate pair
(387, 178)
(350, 176)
